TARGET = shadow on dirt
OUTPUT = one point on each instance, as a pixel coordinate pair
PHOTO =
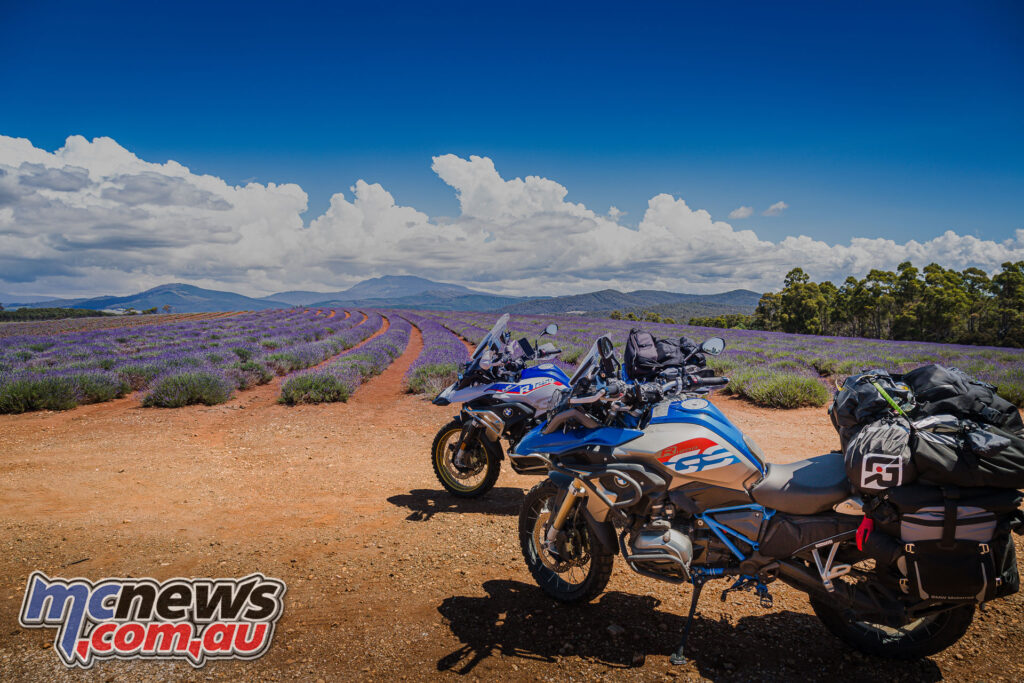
(518, 620)
(425, 503)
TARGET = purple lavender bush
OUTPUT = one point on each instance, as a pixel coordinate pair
(438, 364)
(207, 386)
(339, 379)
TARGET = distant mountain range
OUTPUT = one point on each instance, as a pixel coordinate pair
(607, 300)
(400, 291)
(406, 291)
(180, 297)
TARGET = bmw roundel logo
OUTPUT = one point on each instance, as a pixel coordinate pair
(507, 412)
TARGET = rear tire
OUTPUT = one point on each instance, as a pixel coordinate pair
(484, 460)
(916, 640)
(581, 578)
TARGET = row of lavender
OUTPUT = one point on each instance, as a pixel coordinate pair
(212, 385)
(772, 368)
(179, 362)
(338, 379)
(63, 325)
(438, 364)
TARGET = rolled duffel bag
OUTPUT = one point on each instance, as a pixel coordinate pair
(669, 353)
(858, 402)
(947, 450)
(956, 542)
(879, 457)
(939, 390)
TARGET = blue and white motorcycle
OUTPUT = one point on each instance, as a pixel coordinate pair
(685, 497)
(501, 398)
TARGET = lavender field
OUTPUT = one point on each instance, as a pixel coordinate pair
(173, 364)
(770, 368)
(324, 355)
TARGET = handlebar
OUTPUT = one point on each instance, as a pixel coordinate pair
(710, 381)
(588, 399)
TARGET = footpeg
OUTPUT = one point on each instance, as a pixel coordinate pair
(827, 570)
(747, 583)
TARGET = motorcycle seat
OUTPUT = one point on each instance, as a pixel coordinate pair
(805, 487)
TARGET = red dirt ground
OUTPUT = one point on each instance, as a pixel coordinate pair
(388, 577)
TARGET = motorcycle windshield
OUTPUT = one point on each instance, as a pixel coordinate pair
(589, 363)
(492, 340)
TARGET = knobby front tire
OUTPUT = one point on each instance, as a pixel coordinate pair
(573, 585)
(445, 470)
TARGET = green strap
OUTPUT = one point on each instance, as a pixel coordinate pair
(889, 399)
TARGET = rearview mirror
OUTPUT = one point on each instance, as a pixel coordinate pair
(550, 329)
(713, 346)
(605, 348)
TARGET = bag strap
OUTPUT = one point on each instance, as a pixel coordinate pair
(951, 495)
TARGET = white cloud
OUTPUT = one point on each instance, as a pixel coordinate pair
(742, 212)
(775, 209)
(93, 218)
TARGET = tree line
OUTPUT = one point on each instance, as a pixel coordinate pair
(933, 304)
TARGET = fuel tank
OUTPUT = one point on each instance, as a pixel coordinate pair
(549, 370)
(535, 388)
(694, 441)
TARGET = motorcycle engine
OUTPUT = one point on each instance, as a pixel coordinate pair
(660, 549)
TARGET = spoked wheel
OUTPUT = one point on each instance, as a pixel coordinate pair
(920, 638)
(581, 568)
(470, 475)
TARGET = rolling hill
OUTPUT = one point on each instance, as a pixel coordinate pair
(180, 297)
(406, 291)
(607, 300)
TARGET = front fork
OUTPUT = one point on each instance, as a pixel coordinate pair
(575, 492)
(466, 436)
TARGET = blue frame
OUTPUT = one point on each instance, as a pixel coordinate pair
(723, 532)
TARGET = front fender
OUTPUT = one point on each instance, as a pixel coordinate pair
(444, 398)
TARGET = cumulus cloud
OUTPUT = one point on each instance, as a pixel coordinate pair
(91, 217)
(742, 212)
(775, 209)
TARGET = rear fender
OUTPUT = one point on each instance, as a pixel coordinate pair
(602, 532)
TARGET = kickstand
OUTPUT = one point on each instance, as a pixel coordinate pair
(679, 656)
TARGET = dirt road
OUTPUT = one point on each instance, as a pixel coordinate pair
(388, 577)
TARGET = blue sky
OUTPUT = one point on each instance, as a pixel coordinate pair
(867, 119)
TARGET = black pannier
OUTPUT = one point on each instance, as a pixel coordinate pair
(939, 390)
(947, 450)
(858, 402)
(956, 543)
(878, 457)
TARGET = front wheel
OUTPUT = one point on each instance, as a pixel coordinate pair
(919, 638)
(581, 568)
(471, 474)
